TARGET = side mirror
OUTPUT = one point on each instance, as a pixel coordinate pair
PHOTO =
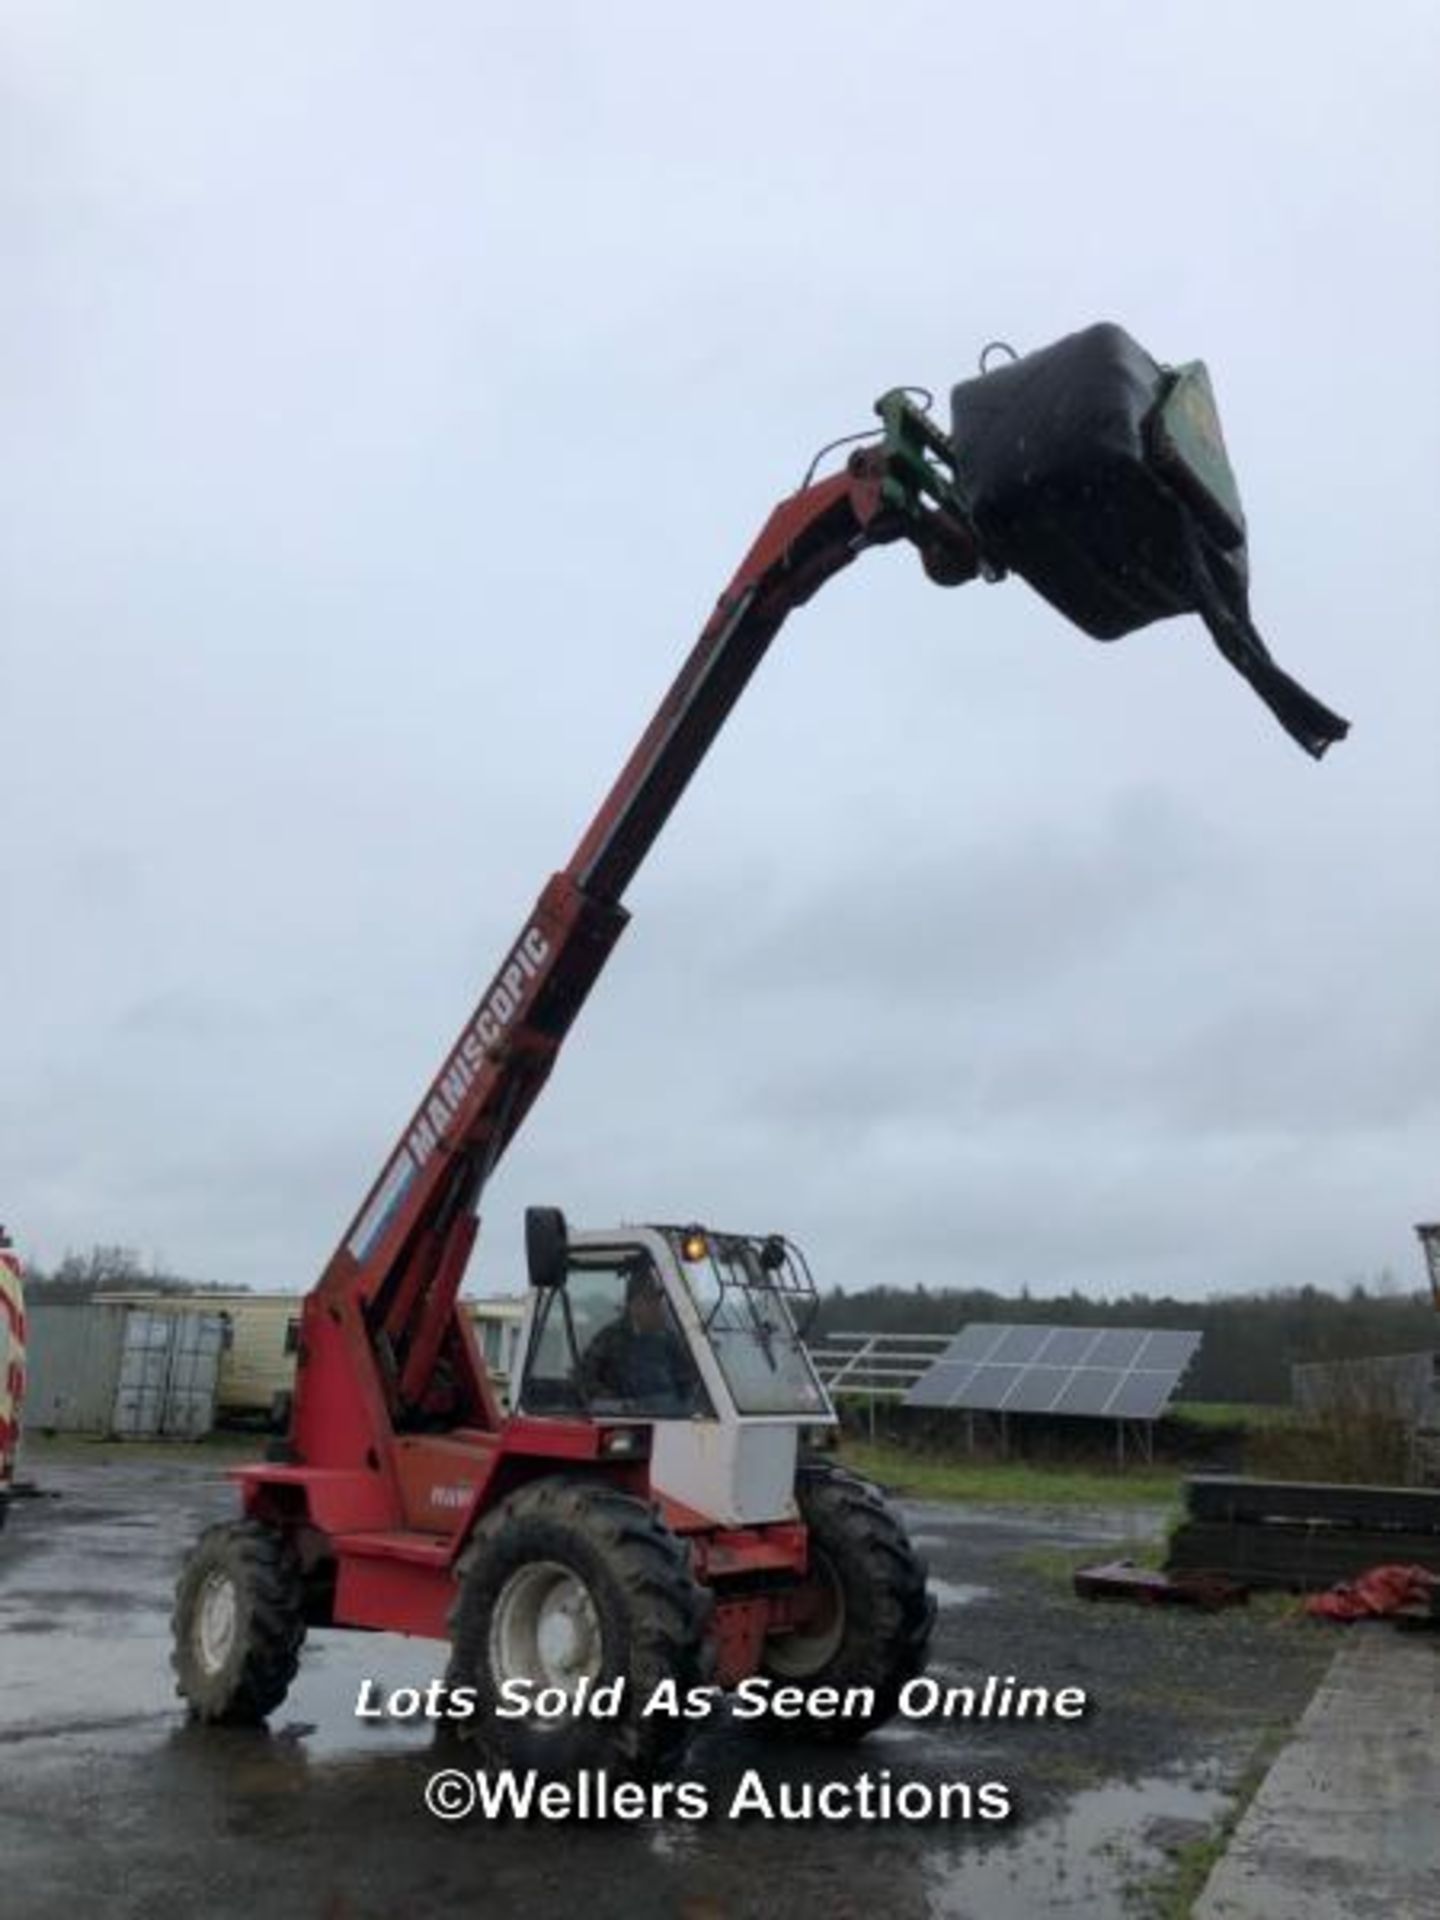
(547, 1246)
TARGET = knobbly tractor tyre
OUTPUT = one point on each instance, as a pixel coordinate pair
(568, 1581)
(873, 1614)
(239, 1624)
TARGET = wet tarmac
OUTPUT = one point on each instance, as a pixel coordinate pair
(111, 1802)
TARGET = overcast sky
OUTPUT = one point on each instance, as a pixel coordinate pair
(387, 394)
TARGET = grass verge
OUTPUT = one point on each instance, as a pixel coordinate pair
(1230, 1413)
(1012, 1482)
(1057, 1566)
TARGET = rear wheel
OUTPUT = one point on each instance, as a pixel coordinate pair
(569, 1583)
(870, 1615)
(239, 1623)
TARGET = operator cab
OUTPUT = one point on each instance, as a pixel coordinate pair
(698, 1334)
(669, 1323)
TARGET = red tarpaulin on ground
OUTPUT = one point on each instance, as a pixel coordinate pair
(1378, 1593)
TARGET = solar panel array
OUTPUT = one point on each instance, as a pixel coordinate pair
(1116, 1373)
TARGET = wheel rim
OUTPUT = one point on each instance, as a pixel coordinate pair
(810, 1647)
(217, 1613)
(545, 1628)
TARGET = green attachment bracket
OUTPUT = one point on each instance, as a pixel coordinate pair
(920, 463)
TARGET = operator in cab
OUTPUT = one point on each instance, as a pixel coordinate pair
(638, 1359)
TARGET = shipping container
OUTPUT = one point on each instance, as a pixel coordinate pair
(125, 1371)
(257, 1359)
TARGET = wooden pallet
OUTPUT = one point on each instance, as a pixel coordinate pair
(1227, 1497)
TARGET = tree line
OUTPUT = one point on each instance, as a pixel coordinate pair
(109, 1269)
(1249, 1341)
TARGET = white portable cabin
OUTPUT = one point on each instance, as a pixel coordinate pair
(498, 1324)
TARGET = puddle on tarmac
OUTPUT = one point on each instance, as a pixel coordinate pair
(126, 1681)
(1052, 1526)
(118, 1669)
(956, 1593)
(1089, 1861)
(319, 1711)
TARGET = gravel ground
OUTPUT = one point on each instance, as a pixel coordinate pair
(106, 1791)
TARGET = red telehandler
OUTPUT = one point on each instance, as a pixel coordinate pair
(645, 1513)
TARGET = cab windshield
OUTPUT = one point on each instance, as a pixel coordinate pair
(747, 1317)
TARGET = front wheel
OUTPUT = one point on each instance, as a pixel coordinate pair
(239, 1623)
(568, 1587)
(869, 1616)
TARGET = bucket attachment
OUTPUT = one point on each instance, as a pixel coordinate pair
(1101, 478)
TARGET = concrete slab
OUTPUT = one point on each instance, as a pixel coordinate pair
(1347, 1821)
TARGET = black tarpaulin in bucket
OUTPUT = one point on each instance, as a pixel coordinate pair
(1101, 478)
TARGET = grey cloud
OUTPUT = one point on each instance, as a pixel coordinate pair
(384, 410)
